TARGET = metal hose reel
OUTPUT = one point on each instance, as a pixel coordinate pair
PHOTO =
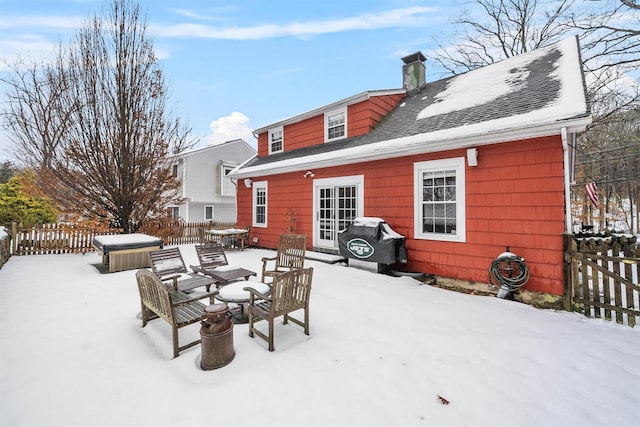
(508, 272)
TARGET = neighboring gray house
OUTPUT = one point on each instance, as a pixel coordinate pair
(209, 194)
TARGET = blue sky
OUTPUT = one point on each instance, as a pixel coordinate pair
(235, 66)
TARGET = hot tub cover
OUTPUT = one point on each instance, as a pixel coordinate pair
(119, 242)
(372, 239)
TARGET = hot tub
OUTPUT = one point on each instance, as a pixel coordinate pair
(126, 251)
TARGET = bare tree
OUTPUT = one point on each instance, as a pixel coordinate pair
(501, 29)
(610, 40)
(609, 32)
(96, 126)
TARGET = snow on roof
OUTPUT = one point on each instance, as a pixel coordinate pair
(507, 77)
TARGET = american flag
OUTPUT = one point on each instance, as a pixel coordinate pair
(592, 192)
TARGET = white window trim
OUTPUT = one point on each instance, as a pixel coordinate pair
(343, 181)
(343, 111)
(212, 212)
(271, 132)
(457, 164)
(255, 186)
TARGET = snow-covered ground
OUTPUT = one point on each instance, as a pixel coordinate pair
(381, 351)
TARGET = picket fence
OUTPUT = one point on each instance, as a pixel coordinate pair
(76, 238)
(601, 277)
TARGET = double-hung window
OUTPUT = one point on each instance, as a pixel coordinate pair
(260, 204)
(439, 200)
(276, 140)
(335, 124)
(208, 213)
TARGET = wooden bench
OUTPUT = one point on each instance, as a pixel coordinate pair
(175, 307)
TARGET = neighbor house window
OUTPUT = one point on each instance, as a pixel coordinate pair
(440, 200)
(335, 125)
(174, 170)
(260, 204)
(227, 188)
(174, 212)
(276, 140)
(208, 213)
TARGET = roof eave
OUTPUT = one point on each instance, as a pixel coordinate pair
(414, 145)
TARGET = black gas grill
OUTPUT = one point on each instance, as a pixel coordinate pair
(372, 240)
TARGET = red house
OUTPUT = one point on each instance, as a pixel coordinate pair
(462, 166)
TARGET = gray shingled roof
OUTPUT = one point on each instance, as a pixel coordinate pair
(539, 87)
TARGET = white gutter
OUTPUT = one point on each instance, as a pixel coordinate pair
(448, 139)
(567, 186)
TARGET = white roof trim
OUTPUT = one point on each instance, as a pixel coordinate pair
(447, 139)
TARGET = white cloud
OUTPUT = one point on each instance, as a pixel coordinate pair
(41, 21)
(233, 126)
(405, 17)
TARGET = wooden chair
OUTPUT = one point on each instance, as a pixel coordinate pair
(290, 291)
(168, 265)
(213, 263)
(175, 307)
(291, 251)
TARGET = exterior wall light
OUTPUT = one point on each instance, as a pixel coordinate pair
(472, 157)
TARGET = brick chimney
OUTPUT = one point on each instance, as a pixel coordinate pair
(414, 72)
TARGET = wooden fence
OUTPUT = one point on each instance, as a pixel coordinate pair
(56, 238)
(5, 247)
(76, 238)
(178, 232)
(601, 277)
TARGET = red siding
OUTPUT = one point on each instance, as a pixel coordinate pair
(514, 197)
(361, 117)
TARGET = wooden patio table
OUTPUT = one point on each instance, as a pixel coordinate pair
(224, 275)
(238, 233)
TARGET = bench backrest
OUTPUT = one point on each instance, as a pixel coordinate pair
(211, 255)
(290, 291)
(154, 294)
(167, 261)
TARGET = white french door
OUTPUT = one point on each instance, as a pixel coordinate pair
(337, 201)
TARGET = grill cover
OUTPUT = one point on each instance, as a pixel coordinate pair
(373, 240)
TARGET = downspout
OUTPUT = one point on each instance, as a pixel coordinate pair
(567, 185)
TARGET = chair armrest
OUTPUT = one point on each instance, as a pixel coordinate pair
(265, 259)
(184, 299)
(198, 269)
(174, 280)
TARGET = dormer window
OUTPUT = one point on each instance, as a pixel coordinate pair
(335, 125)
(276, 140)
